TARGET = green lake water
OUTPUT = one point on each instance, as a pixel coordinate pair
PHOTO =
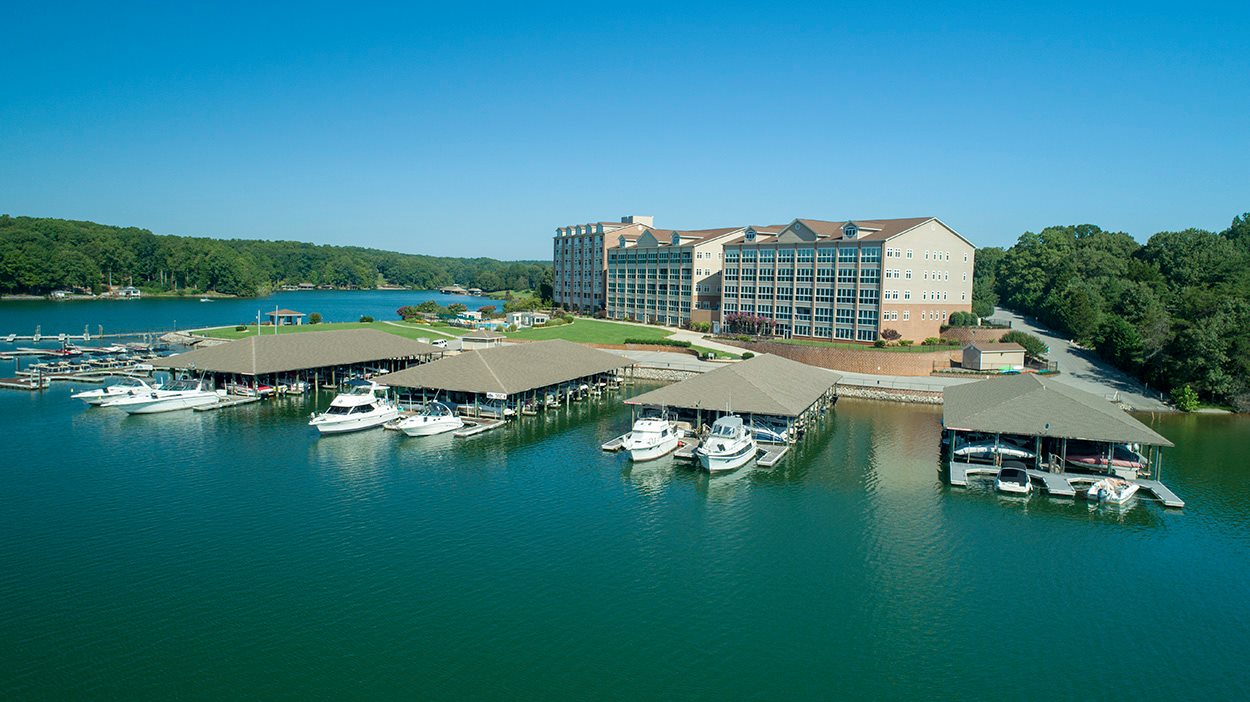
(236, 554)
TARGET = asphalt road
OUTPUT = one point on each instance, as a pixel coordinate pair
(1082, 369)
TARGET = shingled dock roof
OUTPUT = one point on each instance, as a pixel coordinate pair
(508, 369)
(768, 385)
(281, 353)
(1035, 406)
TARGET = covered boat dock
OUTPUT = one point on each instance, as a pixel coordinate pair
(780, 398)
(1063, 437)
(322, 358)
(503, 381)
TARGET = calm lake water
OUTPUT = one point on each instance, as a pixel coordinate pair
(164, 313)
(236, 554)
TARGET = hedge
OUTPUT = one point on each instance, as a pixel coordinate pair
(660, 342)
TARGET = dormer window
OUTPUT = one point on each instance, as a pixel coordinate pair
(751, 235)
(621, 241)
(850, 231)
(676, 240)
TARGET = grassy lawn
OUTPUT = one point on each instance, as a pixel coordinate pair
(410, 331)
(592, 331)
(916, 348)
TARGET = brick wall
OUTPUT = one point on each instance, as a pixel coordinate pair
(866, 360)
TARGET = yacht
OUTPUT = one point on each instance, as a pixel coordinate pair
(181, 395)
(729, 445)
(434, 418)
(1013, 479)
(1113, 490)
(650, 438)
(358, 408)
(127, 387)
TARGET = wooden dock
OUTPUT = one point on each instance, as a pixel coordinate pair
(479, 428)
(1063, 484)
(769, 454)
(228, 402)
(685, 450)
(615, 444)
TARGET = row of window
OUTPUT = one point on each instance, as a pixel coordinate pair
(934, 255)
(866, 254)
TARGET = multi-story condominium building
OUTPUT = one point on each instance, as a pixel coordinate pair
(665, 276)
(579, 279)
(849, 280)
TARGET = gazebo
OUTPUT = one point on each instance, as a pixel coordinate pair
(280, 317)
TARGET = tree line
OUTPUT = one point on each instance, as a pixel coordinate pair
(1175, 312)
(38, 255)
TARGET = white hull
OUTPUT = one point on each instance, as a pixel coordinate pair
(1013, 488)
(358, 423)
(719, 462)
(165, 404)
(1103, 491)
(651, 452)
(440, 426)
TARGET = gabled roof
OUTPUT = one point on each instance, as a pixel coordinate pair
(767, 385)
(1033, 406)
(995, 346)
(281, 353)
(285, 313)
(509, 369)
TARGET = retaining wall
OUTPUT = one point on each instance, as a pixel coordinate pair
(866, 360)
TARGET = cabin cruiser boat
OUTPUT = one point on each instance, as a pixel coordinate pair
(180, 395)
(434, 418)
(358, 408)
(1114, 490)
(127, 387)
(1012, 478)
(650, 438)
(728, 446)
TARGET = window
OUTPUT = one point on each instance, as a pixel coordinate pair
(846, 275)
(846, 316)
(867, 317)
(868, 296)
(965, 258)
(906, 294)
(963, 297)
(906, 315)
(908, 253)
(965, 277)
(925, 275)
(824, 332)
(871, 254)
(846, 295)
(907, 274)
(844, 333)
(805, 255)
(846, 254)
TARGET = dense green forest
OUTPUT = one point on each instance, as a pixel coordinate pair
(38, 255)
(1174, 312)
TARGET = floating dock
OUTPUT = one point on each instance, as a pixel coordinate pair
(476, 428)
(615, 444)
(1063, 484)
(233, 401)
(769, 454)
(685, 450)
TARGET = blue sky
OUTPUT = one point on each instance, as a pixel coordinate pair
(476, 130)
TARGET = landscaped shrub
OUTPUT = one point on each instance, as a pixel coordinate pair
(314, 318)
(1033, 346)
(1185, 398)
(568, 318)
(962, 319)
(747, 354)
(933, 341)
(660, 342)
(241, 327)
(365, 319)
(905, 342)
(742, 337)
(879, 343)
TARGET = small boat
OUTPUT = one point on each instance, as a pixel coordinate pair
(127, 387)
(650, 438)
(775, 433)
(358, 408)
(1113, 490)
(182, 394)
(728, 446)
(1087, 455)
(205, 299)
(1013, 479)
(434, 418)
(987, 448)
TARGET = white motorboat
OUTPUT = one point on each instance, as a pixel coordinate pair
(728, 446)
(1113, 490)
(358, 408)
(127, 387)
(1014, 480)
(181, 395)
(650, 438)
(988, 448)
(434, 418)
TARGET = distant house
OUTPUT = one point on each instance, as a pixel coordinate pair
(59, 294)
(129, 291)
(307, 286)
(528, 319)
(280, 317)
(475, 291)
(473, 315)
(453, 290)
(983, 356)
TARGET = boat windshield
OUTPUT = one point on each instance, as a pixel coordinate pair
(184, 385)
(361, 390)
(338, 410)
(436, 409)
(723, 430)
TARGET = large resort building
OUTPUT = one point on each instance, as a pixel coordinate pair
(818, 279)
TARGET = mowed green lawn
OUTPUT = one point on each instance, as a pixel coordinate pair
(592, 331)
(410, 331)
